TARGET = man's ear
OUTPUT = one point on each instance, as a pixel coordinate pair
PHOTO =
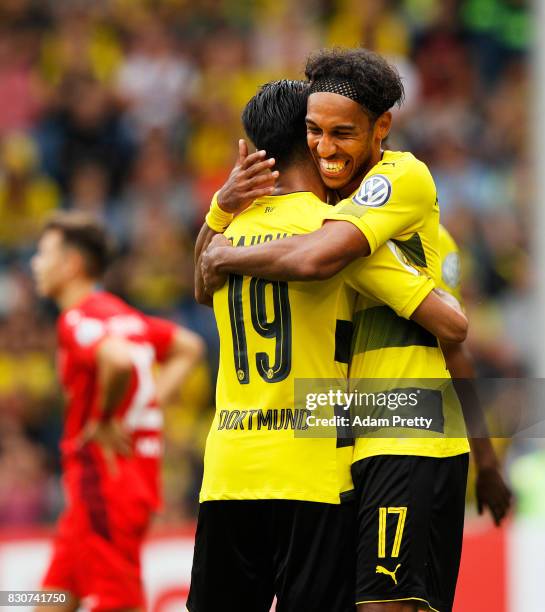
(383, 125)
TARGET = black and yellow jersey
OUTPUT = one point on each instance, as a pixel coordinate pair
(396, 205)
(272, 333)
(397, 201)
(451, 269)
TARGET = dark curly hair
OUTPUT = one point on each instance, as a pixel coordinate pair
(274, 120)
(377, 83)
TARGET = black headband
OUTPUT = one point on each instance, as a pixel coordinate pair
(344, 88)
(337, 86)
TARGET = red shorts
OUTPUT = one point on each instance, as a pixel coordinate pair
(96, 553)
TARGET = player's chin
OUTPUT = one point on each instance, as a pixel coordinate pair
(334, 182)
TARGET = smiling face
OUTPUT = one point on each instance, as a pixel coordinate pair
(343, 141)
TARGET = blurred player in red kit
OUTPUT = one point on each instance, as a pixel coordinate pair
(111, 446)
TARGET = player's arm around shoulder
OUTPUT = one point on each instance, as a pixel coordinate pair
(324, 252)
(393, 281)
(318, 255)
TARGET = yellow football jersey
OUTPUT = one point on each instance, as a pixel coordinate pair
(272, 333)
(451, 269)
(397, 204)
(397, 201)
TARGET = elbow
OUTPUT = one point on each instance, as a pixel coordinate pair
(314, 268)
(190, 346)
(121, 364)
(457, 332)
(201, 297)
(306, 271)
(115, 355)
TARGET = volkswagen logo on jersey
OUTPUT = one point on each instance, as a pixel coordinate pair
(451, 269)
(375, 191)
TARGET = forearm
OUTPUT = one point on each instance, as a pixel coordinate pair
(206, 234)
(315, 256)
(204, 238)
(441, 317)
(461, 368)
(171, 377)
(113, 384)
(484, 454)
(186, 351)
(114, 373)
(277, 260)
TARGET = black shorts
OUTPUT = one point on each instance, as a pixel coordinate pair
(246, 552)
(410, 521)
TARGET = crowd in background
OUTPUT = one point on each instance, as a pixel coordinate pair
(131, 109)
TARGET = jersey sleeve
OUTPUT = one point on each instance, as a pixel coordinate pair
(389, 279)
(160, 334)
(81, 336)
(450, 278)
(389, 204)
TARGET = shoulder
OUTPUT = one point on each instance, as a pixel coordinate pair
(447, 244)
(398, 174)
(403, 166)
(93, 318)
(77, 328)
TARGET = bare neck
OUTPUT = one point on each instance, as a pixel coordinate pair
(74, 292)
(301, 176)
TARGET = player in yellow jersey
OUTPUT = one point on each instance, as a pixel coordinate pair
(411, 489)
(270, 520)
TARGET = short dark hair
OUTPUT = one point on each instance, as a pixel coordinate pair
(86, 234)
(377, 83)
(274, 120)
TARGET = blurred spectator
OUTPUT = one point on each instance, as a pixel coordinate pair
(23, 482)
(88, 191)
(21, 92)
(80, 43)
(26, 195)
(86, 128)
(157, 183)
(155, 82)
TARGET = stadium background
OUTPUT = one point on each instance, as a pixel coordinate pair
(131, 109)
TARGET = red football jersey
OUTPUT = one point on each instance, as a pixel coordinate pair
(80, 332)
